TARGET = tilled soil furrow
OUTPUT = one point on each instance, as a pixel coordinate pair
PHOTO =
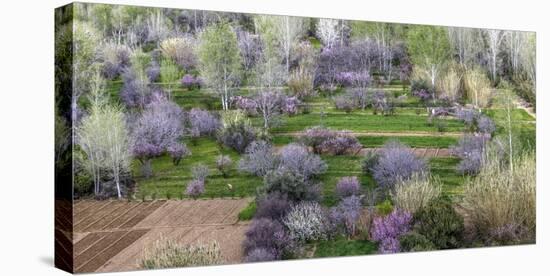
(209, 212)
(220, 213)
(180, 210)
(233, 216)
(94, 206)
(106, 220)
(112, 250)
(100, 207)
(97, 248)
(113, 207)
(118, 222)
(87, 241)
(150, 209)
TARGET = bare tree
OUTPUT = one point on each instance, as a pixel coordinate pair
(268, 104)
(494, 40)
(328, 31)
(465, 43)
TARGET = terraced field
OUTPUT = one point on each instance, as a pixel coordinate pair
(112, 235)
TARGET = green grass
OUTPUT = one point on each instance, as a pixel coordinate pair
(362, 121)
(379, 141)
(248, 212)
(172, 179)
(344, 247)
(445, 169)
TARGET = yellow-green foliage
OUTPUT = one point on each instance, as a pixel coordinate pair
(168, 253)
(478, 87)
(449, 84)
(415, 193)
(499, 197)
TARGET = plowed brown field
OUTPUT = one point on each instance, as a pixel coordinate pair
(112, 235)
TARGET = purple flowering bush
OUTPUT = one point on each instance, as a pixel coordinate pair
(178, 151)
(315, 136)
(387, 230)
(259, 158)
(396, 162)
(266, 234)
(203, 122)
(346, 214)
(195, 188)
(190, 82)
(246, 104)
(296, 158)
(307, 221)
(223, 164)
(471, 150)
(260, 255)
(348, 186)
(290, 105)
(341, 144)
(272, 206)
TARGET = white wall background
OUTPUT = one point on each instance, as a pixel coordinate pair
(26, 135)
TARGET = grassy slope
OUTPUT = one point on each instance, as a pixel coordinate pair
(344, 247)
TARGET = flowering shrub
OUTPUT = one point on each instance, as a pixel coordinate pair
(268, 235)
(258, 159)
(300, 83)
(423, 94)
(344, 103)
(387, 230)
(223, 164)
(236, 132)
(471, 150)
(307, 221)
(200, 172)
(246, 104)
(440, 224)
(297, 159)
(272, 206)
(315, 136)
(291, 184)
(203, 122)
(369, 161)
(116, 58)
(348, 186)
(259, 255)
(485, 125)
(195, 188)
(469, 117)
(189, 81)
(343, 142)
(178, 151)
(153, 71)
(346, 214)
(290, 105)
(135, 91)
(396, 162)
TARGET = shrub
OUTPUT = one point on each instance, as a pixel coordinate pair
(471, 150)
(293, 185)
(290, 105)
(387, 230)
(223, 164)
(500, 197)
(258, 159)
(485, 125)
(266, 234)
(272, 206)
(396, 162)
(440, 224)
(297, 159)
(478, 87)
(300, 83)
(259, 255)
(190, 82)
(181, 50)
(203, 122)
(307, 221)
(168, 253)
(417, 192)
(200, 172)
(236, 132)
(348, 186)
(178, 151)
(195, 188)
(116, 58)
(315, 136)
(450, 84)
(469, 117)
(246, 104)
(369, 161)
(341, 144)
(346, 214)
(153, 71)
(135, 90)
(414, 242)
(343, 103)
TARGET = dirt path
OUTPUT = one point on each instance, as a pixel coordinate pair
(112, 235)
(420, 152)
(388, 134)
